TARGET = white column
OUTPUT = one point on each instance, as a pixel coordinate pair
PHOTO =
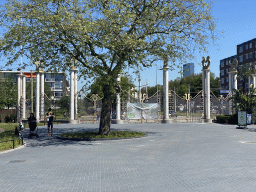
(235, 81)
(42, 95)
(254, 81)
(37, 95)
(75, 92)
(230, 79)
(166, 94)
(118, 106)
(18, 98)
(207, 94)
(24, 97)
(72, 95)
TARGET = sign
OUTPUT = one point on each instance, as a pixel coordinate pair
(242, 118)
(224, 91)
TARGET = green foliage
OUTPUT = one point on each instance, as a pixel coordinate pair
(125, 84)
(95, 134)
(195, 82)
(244, 101)
(10, 118)
(105, 37)
(7, 133)
(64, 104)
(8, 93)
(228, 119)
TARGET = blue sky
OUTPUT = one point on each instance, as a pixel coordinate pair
(237, 20)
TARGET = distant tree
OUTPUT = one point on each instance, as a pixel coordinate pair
(64, 103)
(8, 93)
(195, 82)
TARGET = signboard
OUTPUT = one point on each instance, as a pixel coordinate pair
(242, 118)
(224, 91)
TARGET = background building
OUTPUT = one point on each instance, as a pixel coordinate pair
(188, 69)
(56, 80)
(246, 56)
(224, 69)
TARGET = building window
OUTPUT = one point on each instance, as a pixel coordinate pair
(241, 58)
(246, 56)
(246, 46)
(240, 48)
(222, 63)
(222, 80)
(222, 72)
(250, 45)
(250, 55)
(227, 71)
(227, 79)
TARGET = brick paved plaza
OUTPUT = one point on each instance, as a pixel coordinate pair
(172, 157)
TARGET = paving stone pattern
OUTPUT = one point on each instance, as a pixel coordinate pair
(172, 157)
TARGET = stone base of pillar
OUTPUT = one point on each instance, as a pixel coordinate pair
(117, 121)
(167, 121)
(206, 120)
(74, 121)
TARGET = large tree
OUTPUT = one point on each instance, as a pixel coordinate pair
(104, 36)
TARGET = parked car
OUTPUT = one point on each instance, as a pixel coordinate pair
(173, 114)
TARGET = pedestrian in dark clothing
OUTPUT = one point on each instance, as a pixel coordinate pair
(32, 125)
(50, 116)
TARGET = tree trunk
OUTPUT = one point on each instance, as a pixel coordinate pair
(105, 119)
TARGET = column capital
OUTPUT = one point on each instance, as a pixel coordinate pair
(73, 68)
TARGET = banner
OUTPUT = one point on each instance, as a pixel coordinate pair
(142, 110)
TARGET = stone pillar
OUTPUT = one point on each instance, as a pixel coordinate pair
(37, 96)
(206, 89)
(75, 93)
(254, 81)
(207, 96)
(72, 94)
(18, 97)
(42, 94)
(118, 107)
(166, 118)
(24, 96)
(233, 81)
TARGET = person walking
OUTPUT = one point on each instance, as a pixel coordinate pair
(50, 117)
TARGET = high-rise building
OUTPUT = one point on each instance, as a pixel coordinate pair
(188, 69)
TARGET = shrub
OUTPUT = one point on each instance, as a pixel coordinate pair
(10, 118)
(229, 119)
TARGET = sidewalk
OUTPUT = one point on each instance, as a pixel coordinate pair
(172, 158)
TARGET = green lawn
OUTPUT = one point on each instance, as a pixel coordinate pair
(7, 133)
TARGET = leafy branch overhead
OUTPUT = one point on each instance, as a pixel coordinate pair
(104, 35)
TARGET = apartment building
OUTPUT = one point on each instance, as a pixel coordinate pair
(56, 80)
(246, 56)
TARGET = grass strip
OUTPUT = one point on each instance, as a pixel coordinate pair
(7, 135)
(95, 134)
